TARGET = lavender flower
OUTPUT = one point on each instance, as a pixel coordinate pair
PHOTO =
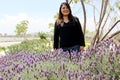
(19, 77)
(1, 77)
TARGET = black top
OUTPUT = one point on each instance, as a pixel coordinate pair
(68, 34)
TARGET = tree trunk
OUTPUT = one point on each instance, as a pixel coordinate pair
(84, 12)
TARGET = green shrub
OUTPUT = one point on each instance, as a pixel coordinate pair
(33, 46)
(2, 48)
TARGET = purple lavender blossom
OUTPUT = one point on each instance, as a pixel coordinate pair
(80, 77)
(19, 67)
(1, 77)
(19, 77)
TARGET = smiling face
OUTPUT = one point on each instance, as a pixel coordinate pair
(65, 10)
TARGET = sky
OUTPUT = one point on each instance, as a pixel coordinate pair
(39, 13)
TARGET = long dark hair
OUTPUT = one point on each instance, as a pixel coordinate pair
(60, 16)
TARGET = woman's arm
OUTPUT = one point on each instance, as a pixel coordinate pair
(56, 36)
(82, 40)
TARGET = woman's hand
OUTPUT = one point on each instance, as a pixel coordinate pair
(81, 48)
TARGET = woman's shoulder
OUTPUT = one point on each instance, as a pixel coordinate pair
(75, 17)
(58, 21)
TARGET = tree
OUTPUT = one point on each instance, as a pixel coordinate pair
(43, 35)
(21, 28)
(104, 15)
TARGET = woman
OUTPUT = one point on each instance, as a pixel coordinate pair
(68, 33)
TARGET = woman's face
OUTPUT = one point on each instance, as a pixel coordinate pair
(64, 10)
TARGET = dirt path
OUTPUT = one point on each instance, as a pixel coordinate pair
(5, 44)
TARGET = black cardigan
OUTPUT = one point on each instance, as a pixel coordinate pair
(68, 34)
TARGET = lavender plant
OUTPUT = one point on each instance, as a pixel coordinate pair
(100, 62)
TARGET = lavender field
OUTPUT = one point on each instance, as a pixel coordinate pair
(101, 62)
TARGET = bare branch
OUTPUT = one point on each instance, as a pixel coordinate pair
(94, 9)
(114, 34)
(102, 14)
(70, 1)
(104, 24)
(67, 1)
(102, 17)
(110, 29)
(94, 15)
(100, 20)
